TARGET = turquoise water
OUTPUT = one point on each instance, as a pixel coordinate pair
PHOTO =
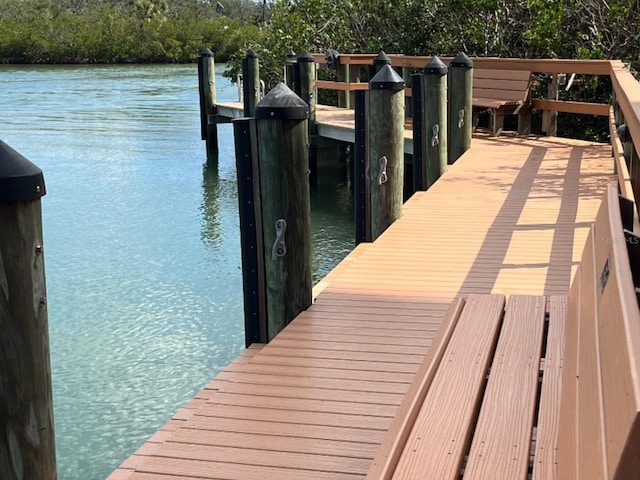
(141, 246)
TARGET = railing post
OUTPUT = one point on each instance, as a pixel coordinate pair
(27, 440)
(460, 106)
(250, 83)
(386, 137)
(408, 106)
(286, 214)
(434, 122)
(207, 89)
(251, 239)
(289, 69)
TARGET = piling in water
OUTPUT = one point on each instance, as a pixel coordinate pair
(434, 121)
(460, 106)
(207, 89)
(282, 131)
(386, 144)
(250, 83)
(27, 440)
(306, 84)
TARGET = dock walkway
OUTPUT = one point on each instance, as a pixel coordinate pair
(510, 217)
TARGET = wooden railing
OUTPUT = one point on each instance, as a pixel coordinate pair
(626, 91)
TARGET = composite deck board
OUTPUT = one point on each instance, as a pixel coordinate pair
(509, 217)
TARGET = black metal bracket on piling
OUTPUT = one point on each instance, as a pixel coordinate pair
(362, 198)
(250, 209)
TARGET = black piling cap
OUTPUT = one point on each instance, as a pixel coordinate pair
(252, 54)
(435, 67)
(290, 58)
(386, 79)
(20, 180)
(283, 104)
(623, 133)
(382, 59)
(206, 52)
(305, 57)
(462, 61)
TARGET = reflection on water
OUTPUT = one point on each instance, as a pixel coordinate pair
(142, 246)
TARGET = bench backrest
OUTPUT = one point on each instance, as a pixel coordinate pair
(600, 410)
(507, 85)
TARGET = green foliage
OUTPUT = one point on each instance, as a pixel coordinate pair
(96, 31)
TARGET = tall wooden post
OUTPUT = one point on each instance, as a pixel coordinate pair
(27, 440)
(207, 88)
(460, 106)
(386, 140)
(286, 214)
(289, 69)
(419, 170)
(361, 191)
(434, 121)
(344, 75)
(250, 83)
(306, 83)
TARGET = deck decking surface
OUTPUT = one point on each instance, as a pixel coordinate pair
(511, 217)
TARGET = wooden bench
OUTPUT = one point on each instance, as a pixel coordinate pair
(546, 388)
(502, 92)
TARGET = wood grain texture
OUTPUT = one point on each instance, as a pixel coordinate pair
(438, 441)
(502, 439)
(545, 460)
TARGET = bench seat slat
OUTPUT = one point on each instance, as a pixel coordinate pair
(544, 467)
(439, 439)
(502, 440)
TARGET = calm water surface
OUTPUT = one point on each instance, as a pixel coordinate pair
(142, 246)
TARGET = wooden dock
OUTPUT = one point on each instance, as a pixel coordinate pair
(510, 217)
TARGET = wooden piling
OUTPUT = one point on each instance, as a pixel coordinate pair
(306, 83)
(286, 215)
(27, 440)
(289, 69)
(549, 118)
(419, 170)
(460, 106)
(250, 83)
(434, 121)
(207, 89)
(386, 140)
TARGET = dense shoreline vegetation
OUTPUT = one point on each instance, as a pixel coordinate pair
(123, 31)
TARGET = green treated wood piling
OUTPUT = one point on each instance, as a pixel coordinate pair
(460, 106)
(27, 440)
(306, 83)
(289, 69)
(207, 89)
(286, 214)
(250, 83)
(434, 121)
(386, 140)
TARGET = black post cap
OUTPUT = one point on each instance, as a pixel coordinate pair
(623, 133)
(386, 79)
(20, 180)
(291, 57)
(283, 104)
(252, 54)
(206, 52)
(462, 61)
(305, 57)
(382, 59)
(435, 67)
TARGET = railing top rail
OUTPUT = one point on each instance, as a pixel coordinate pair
(628, 96)
(550, 65)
